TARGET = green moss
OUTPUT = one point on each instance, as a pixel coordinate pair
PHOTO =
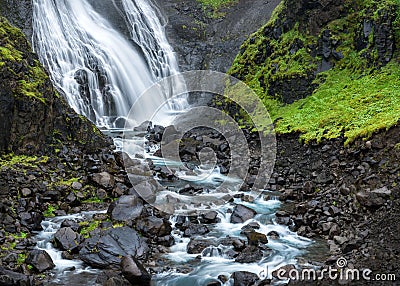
(12, 160)
(214, 7)
(49, 212)
(354, 99)
(87, 227)
(21, 258)
(31, 82)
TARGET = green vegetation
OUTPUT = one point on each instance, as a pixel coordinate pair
(88, 227)
(215, 6)
(357, 97)
(49, 212)
(12, 160)
(31, 81)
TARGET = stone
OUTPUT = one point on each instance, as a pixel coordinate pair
(195, 229)
(254, 238)
(210, 217)
(25, 192)
(104, 180)
(273, 235)
(242, 278)
(197, 245)
(11, 278)
(135, 272)
(283, 271)
(241, 214)
(126, 208)
(76, 186)
(375, 198)
(40, 260)
(154, 227)
(67, 239)
(105, 249)
(250, 254)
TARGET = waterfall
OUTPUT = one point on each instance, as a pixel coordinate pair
(101, 71)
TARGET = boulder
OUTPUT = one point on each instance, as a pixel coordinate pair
(283, 271)
(40, 260)
(105, 249)
(254, 238)
(375, 198)
(244, 278)
(134, 272)
(67, 239)
(195, 229)
(210, 217)
(154, 227)
(242, 213)
(126, 208)
(250, 254)
(197, 245)
(104, 180)
(11, 278)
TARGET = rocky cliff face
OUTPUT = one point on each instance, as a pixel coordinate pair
(34, 117)
(19, 13)
(205, 40)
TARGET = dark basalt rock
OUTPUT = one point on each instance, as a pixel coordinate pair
(197, 245)
(104, 250)
(40, 260)
(250, 254)
(11, 278)
(154, 227)
(134, 272)
(242, 213)
(244, 278)
(67, 239)
(126, 208)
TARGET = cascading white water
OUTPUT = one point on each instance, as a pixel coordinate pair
(101, 72)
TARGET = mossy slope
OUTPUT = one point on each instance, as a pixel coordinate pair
(34, 119)
(328, 76)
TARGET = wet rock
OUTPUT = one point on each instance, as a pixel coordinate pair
(242, 213)
(242, 278)
(250, 254)
(210, 217)
(167, 240)
(67, 239)
(126, 208)
(104, 250)
(104, 180)
(254, 238)
(283, 271)
(153, 226)
(195, 229)
(134, 272)
(116, 281)
(40, 260)
(11, 278)
(273, 235)
(71, 223)
(214, 283)
(197, 245)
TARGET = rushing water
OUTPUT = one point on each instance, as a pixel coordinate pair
(101, 72)
(66, 272)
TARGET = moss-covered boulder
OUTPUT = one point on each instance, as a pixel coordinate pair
(34, 118)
